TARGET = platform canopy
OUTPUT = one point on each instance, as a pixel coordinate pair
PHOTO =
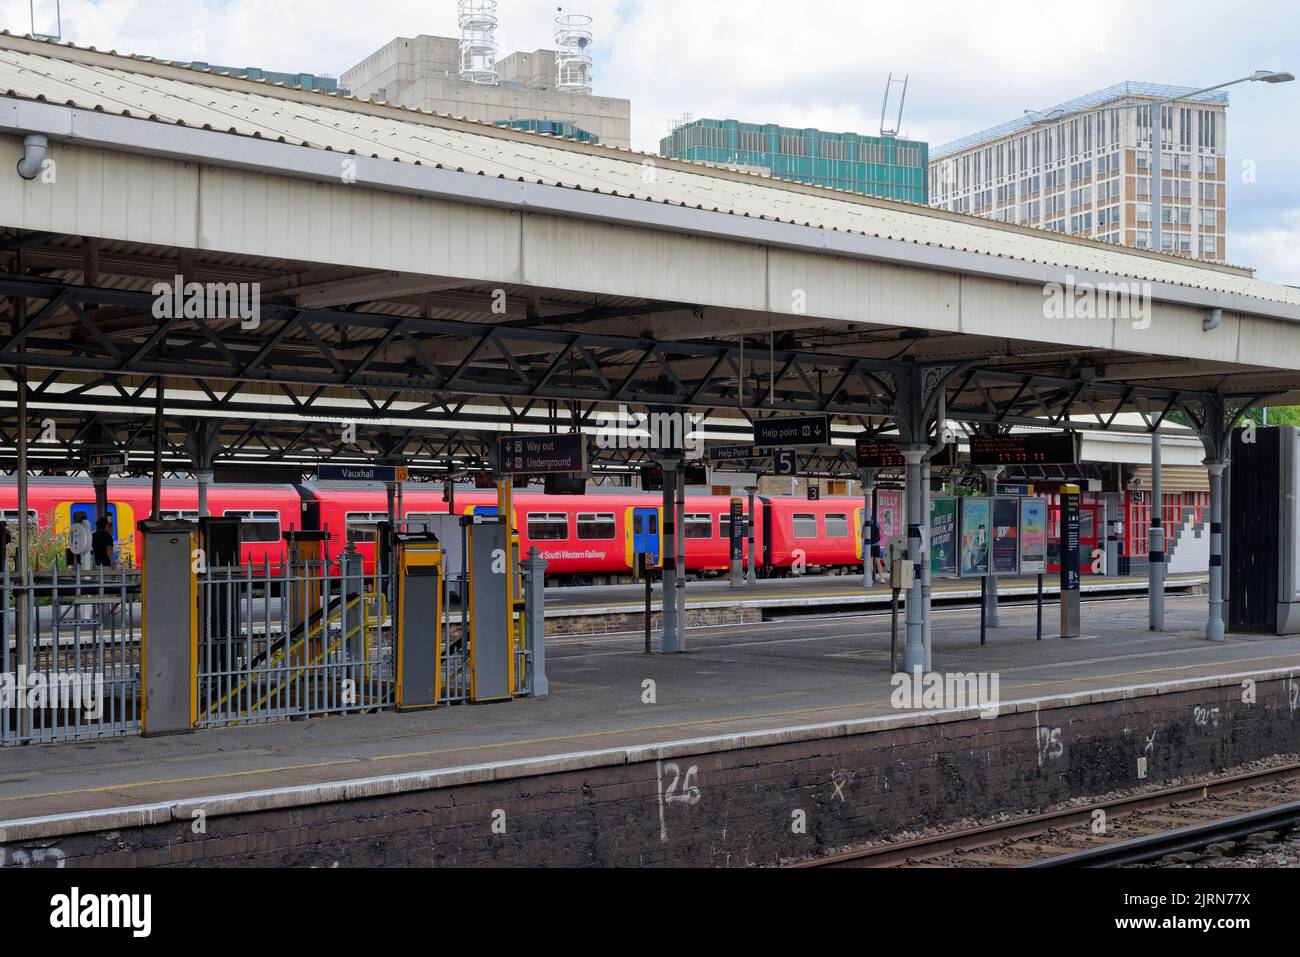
(406, 263)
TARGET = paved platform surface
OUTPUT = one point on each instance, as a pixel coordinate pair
(733, 679)
(815, 590)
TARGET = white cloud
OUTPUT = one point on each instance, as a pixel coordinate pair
(1273, 251)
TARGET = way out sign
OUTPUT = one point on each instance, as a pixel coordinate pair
(564, 454)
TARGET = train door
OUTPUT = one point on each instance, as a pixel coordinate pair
(91, 512)
(645, 533)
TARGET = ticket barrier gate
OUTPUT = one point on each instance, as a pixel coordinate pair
(419, 562)
(491, 557)
(169, 628)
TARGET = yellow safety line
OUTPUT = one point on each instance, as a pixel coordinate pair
(586, 734)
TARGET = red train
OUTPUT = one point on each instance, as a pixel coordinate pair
(589, 538)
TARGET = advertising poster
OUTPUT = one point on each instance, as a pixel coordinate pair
(943, 537)
(889, 513)
(976, 524)
(1033, 536)
(1005, 557)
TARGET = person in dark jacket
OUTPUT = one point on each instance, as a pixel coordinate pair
(101, 544)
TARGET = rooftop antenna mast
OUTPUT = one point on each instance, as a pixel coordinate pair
(573, 61)
(884, 107)
(478, 41)
(58, 22)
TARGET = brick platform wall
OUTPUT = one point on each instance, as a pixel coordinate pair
(717, 803)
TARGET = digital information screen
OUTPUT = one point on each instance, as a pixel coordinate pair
(1038, 448)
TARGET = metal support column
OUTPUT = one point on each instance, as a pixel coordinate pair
(1156, 568)
(204, 479)
(752, 575)
(680, 584)
(993, 618)
(155, 512)
(870, 530)
(927, 589)
(101, 493)
(1214, 629)
(914, 650)
(668, 642)
(22, 604)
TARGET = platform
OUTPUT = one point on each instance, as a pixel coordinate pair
(732, 680)
(778, 597)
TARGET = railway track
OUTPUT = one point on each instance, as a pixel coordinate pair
(1121, 832)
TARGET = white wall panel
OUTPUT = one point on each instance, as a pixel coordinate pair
(859, 291)
(341, 224)
(595, 257)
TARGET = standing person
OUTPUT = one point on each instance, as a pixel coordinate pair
(101, 544)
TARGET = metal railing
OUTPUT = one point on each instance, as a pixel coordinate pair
(76, 673)
(299, 640)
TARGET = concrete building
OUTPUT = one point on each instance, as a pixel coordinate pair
(1088, 172)
(423, 73)
(871, 165)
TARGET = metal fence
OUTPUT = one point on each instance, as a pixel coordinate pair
(304, 639)
(76, 673)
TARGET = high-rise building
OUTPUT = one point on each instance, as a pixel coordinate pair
(523, 90)
(1083, 168)
(872, 165)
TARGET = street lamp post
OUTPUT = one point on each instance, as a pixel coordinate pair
(1157, 144)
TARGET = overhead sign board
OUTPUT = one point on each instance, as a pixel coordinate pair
(879, 454)
(1030, 448)
(876, 453)
(737, 453)
(361, 473)
(256, 474)
(798, 431)
(106, 463)
(561, 454)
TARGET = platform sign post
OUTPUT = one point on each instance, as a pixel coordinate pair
(737, 542)
(1070, 500)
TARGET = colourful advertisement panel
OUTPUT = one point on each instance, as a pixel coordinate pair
(943, 537)
(1004, 556)
(1033, 536)
(976, 524)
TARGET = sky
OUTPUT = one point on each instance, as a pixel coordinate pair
(971, 64)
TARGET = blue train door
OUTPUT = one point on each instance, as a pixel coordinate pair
(92, 515)
(645, 532)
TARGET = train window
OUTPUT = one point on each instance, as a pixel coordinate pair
(362, 526)
(699, 526)
(724, 527)
(597, 527)
(256, 526)
(837, 526)
(805, 526)
(10, 516)
(184, 515)
(548, 526)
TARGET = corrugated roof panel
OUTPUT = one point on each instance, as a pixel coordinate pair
(323, 121)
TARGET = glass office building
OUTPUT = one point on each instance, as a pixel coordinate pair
(871, 165)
